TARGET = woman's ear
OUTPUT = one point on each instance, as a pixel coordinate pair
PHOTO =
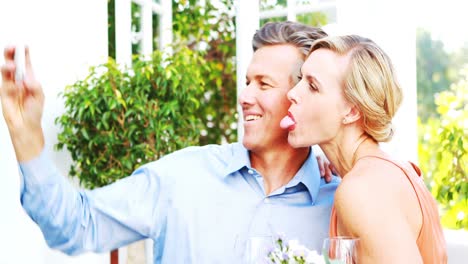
(352, 116)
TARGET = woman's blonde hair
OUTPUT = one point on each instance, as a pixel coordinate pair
(370, 82)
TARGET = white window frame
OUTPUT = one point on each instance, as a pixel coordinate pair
(123, 27)
(123, 52)
(292, 10)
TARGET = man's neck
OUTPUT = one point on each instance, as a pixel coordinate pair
(278, 166)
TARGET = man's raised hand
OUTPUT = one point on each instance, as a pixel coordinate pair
(22, 106)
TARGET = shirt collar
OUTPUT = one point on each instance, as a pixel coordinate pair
(240, 158)
(308, 174)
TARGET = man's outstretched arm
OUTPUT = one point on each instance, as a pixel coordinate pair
(75, 221)
(70, 220)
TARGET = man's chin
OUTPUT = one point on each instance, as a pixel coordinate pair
(253, 142)
(248, 144)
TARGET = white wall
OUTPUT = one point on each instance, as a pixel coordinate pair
(392, 26)
(247, 22)
(65, 37)
(457, 246)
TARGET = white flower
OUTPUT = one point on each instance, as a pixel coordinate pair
(292, 252)
(296, 249)
(315, 258)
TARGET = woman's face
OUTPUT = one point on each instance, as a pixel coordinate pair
(318, 106)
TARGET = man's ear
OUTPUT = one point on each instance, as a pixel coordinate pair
(352, 116)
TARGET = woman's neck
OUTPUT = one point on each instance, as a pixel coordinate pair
(344, 153)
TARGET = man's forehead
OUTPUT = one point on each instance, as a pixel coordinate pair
(272, 60)
(279, 51)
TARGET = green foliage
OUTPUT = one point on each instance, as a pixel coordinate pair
(273, 4)
(434, 72)
(317, 19)
(111, 28)
(210, 28)
(115, 120)
(443, 153)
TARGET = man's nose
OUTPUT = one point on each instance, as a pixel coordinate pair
(247, 95)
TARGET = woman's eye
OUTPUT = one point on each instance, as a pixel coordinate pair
(313, 87)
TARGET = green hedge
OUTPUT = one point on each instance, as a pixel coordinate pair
(443, 154)
(117, 119)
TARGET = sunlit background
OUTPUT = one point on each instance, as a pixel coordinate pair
(427, 40)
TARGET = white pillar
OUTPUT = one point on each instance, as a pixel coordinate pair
(247, 22)
(63, 44)
(166, 24)
(291, 10)
(147, 27)
(391, 25)
(123, 31)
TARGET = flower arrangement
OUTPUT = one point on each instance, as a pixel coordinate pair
(292, 252)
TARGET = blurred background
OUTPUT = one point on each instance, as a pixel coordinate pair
(97, 59)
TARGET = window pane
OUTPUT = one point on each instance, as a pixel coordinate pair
(307, 2)
(272, 19)
(272, 4)
(320, 18)
(111, 28)
(156, 31)
(136, 29)
(316, 19)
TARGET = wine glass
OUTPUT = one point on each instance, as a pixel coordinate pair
(340, 250)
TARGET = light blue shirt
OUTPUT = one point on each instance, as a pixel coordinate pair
(198, 205)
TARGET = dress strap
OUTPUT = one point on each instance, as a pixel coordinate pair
(398, 164)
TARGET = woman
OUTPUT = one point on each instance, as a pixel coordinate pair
(345, 102)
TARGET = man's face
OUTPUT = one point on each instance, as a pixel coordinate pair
(272, 72)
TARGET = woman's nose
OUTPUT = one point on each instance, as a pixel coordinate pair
(292, 96)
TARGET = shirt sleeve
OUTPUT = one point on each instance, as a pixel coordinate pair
(100, 220)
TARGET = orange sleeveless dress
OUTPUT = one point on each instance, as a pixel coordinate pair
(431, 241)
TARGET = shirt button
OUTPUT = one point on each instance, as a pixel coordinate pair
(250, 171)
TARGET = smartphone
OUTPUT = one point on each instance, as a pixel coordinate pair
(20, 62)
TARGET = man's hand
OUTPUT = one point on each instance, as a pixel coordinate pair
(22, 106)
(326, 168)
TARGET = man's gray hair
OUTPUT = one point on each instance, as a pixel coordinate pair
(293, 33)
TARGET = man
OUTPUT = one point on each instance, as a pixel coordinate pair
(199, 204)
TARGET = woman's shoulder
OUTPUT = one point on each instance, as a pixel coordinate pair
(375, 183)
(376, 172)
